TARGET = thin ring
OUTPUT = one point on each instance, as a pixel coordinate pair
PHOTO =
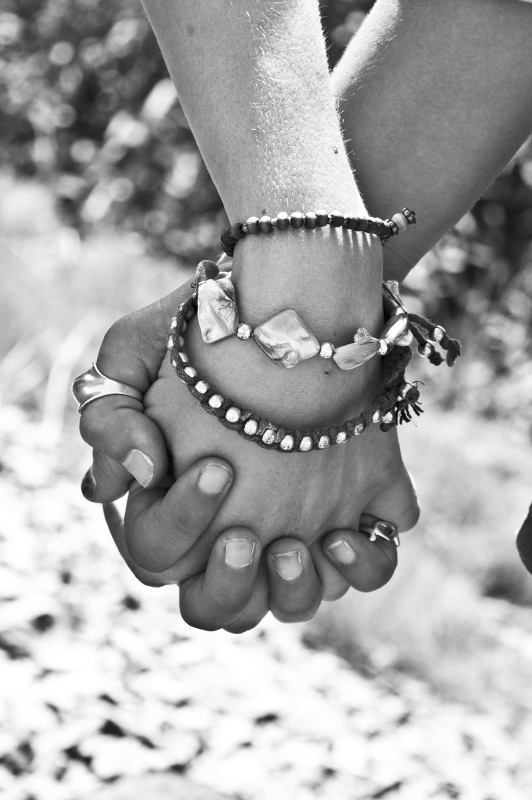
(381, 528)
(93, 384)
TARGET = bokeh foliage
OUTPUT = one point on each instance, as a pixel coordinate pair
(89, 110)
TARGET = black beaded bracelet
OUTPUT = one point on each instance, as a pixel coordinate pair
(383, 228)
(395, 403)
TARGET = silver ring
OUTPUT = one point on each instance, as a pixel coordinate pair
(92, 385)
(382, 528)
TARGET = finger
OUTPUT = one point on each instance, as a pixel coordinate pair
(258, 606)
(295, 589)
(218, 596)
(115, 523)
(364, 564)
(333, 584)
(162, 525)
(128, 442)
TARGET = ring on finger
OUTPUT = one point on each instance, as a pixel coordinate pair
(93, 384)
(381, 528)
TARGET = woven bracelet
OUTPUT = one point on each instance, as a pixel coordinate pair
(395, 402)
(383, 228)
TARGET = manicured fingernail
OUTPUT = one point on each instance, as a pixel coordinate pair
(238, 553)
(88, 485)
(141, 467)
(342, 552)
(213, 479)
(288, 565)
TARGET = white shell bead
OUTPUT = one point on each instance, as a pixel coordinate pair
(202, 387)
(400, 221)
(268, 437)
(358, 429)
(341, 437)
(191, 372)
(287, 442)
(169, 343)
(244, 331)
(387, 418)
(327, 350)
(232, 414)
(306, 444)
(183, 357)
(251, 427)
(216, 401)
(324, 442)
(385, 347)
(173, 324)
(377, 417)
(181, 341)
(173, 362)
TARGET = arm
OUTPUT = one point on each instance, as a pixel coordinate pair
(435, 98)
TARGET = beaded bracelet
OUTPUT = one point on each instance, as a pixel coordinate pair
(285, 338)
(383, 228)
(396, 402)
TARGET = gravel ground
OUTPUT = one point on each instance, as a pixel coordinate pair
(103, 684)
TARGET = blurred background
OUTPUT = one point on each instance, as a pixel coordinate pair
(105, 205)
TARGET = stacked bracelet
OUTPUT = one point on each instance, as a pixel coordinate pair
(383, 228)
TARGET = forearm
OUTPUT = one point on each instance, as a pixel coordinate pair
(435, 98)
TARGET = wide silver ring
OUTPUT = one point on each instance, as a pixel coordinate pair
(383, 529)
(92, 385)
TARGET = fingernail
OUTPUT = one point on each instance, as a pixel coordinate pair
(88, 485)
(342, 552)
(288, 565)
(141, 467)
(238, 553)
(213, 479)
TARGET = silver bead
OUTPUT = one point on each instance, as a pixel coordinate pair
(251, 427)
(169, 343)
(232, 414)
(400, 221)
(425, 350)
(396, 326)
(191, 372)
(324, 442)
(244, 331)
(405, 340)
(305, 444)
(327, 350)
(173, 324)
(216, 401)
(202, 387)
(377, 417)
(341, 437)
(287, 442)
(268, 437)
(358, 429)
(437, 334)
(173, 362)
(183, 357)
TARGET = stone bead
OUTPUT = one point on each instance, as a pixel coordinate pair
(202, 387)
(252, 225)
(297, 219)
(310, 220)
(395, 327)
(216, 401)
(232, 414)
(392, 227)
(305, 444)
(217, 311)
(287, 443)
(358, 429)
(283, 221)
(336, 219)
(400, 221)
(251, 427)
(286, 340)
(244, 331)
(341, 437)
(324, 443)
(169, 343)
(268, 437)
(437, 334)
(183, 357)
(173, 324)
(327, 350)
(377, 417)
(236, 232)
(322, 219)
(371, 226)
(265, 224)
(191, 372)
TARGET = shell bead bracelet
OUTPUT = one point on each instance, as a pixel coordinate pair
(383, 228)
